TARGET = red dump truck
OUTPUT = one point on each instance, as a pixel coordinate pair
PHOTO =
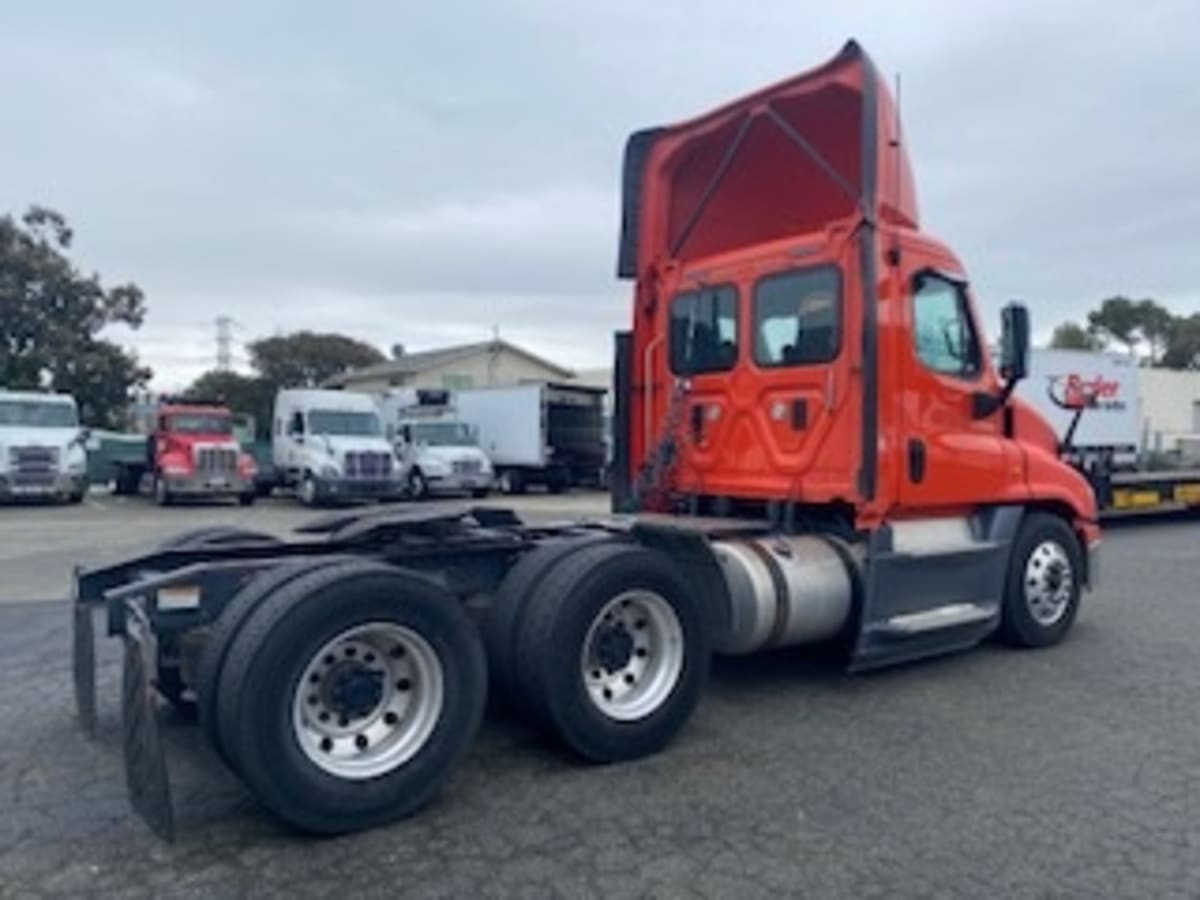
(811, 445)
(191, 453)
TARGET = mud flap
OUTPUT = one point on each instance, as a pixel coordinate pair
(83, 660)
(145, 766)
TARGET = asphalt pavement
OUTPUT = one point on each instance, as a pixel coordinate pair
(1070, 772)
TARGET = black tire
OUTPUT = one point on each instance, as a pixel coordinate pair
(216, 647)
(480, 493)
(1018, 624)
(268, 656)
(247, 499)
(504, 614)
(162, 493)
(76, 498)
(418, 485)
(217, 536)
(551, 638)
(309, 493)
(512, 482)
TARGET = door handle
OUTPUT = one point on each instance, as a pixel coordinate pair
(916, 460)
(697, 423)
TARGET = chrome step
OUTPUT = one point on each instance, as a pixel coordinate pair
(947, 616)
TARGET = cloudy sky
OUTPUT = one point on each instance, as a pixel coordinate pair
(417, 173)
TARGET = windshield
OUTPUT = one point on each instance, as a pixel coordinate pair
(443, 434)
(199, 423)
(37, 414)
(336, 421)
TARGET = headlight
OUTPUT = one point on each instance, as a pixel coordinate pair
(76, 464)
(175, 471)
(328, 471)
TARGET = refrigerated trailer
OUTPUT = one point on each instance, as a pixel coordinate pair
(551, 434)
(811, 446)
(1094, 401)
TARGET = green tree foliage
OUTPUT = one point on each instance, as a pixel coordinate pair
(1118, 320)
(1073, 336)
(51, 316)
(1183, 343)
(307, 358)
(249, 394)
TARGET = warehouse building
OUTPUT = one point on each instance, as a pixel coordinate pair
(465, 366)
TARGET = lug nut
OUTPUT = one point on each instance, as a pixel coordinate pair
(326, 744)
(390, 718)
(350, 651)
(312, 700)
(629, 679)
(403, 684)
(396, 652)
(360, 742)
(369, 658)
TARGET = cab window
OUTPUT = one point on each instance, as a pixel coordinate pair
(704, 330)
(945, 337)
(797, 317)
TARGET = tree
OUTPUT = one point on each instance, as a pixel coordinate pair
(1073, 336)
(248, 394)
(1183, 343)
(1155, 324)
(51, 316)
(306, 358)
(1117, 319)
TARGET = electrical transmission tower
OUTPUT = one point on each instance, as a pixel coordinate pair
(224, 343)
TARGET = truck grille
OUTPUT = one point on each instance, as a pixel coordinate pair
(368, 464)
(467, 467)
(33, 466)
(216, 461)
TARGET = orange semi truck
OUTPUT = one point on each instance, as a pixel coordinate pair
(811, 446)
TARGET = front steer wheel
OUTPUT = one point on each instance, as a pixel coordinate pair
(349, 694)
(612, 651)
(1041, 594)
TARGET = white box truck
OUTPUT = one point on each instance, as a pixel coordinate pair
(439, 452)
(42, 452)
(330, 446)
(539, 433)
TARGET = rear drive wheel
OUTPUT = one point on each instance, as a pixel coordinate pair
(506, 611)
(418, 486)
(1041, 597)
(162, 493)
(349, 694)
(309, 493)
(613, 651)
(511, 481)
(480, 493)
(247, 499)
(232, 617)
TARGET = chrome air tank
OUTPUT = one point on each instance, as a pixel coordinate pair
(783, 590)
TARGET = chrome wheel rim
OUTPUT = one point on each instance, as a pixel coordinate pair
(1049, 583)
(308, 492)
(632, 656)
(368, 700)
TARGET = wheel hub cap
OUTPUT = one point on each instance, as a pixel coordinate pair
(1049, 583)
(368, 700)
(632, 656)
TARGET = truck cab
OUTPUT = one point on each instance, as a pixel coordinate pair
(330, 446)
(42, 453)
(802, 351)
(193, 452)
(439, 451)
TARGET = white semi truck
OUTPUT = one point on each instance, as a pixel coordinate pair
(42, 452)
(539, 433)
(439, 452)
(330, 447)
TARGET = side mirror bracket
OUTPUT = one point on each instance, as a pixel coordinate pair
(1014, 360)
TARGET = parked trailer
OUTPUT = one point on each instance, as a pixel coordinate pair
(798, 473)
(1094, 402)
(539, 433)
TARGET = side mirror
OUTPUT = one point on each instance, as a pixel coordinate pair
(85, 435)
(1014, 342)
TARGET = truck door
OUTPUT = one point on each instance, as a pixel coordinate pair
(950, 458)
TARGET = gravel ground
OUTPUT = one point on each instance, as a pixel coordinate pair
(1073, 772)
